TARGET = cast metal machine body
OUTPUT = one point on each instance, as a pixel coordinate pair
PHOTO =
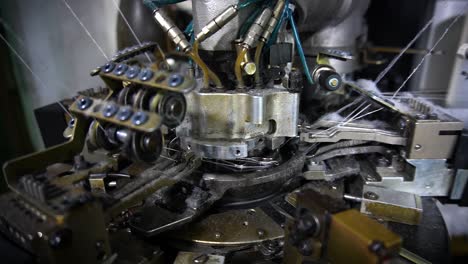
(211, 154)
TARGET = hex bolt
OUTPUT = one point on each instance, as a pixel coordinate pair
(84, 103)
(146, 75)
(124, 114)
(120, 69)
(108, 67)
(371, 196)
(110, 110)
(175, 80)
(133, 72)
(139, 118)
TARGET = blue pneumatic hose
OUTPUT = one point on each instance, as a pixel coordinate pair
(299, 47)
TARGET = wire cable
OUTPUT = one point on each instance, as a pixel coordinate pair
(248, 22)
(247, 3)
(274, 34)
(154, 4)
(189, 30)
(300, 51)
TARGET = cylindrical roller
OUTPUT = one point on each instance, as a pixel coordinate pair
(146, 147)
(172, 108)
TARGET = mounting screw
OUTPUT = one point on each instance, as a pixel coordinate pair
(71, 124)
(260, 233)
(60, 238)
(133, 72)
(378, 248)
(217, 235)
(421, 116)
(417, 147)
(139, 118)
(108, 67)
(110, 110)
(333, 82)
(146, 75)
(402, 123)
(203, 258)
(371, 196)
(305, 248)
(175, 80)
(84, 103)
(120, 69)
(124, 114)
(433, 116)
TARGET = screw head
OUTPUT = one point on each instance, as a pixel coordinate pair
(146, 75)
(84, 103)
(71, 123)
(333, 82)
(60, 238)
(260, 233)
(124, 114)
(108, 67)
(139, 118)
(250, 68)
(133, 72)
(110, 110)
(175, 80)
(329, 79)
(217, 235)
(377, 247)
(305, 248)
(402, 124)
(120, 69)
(417, 147)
